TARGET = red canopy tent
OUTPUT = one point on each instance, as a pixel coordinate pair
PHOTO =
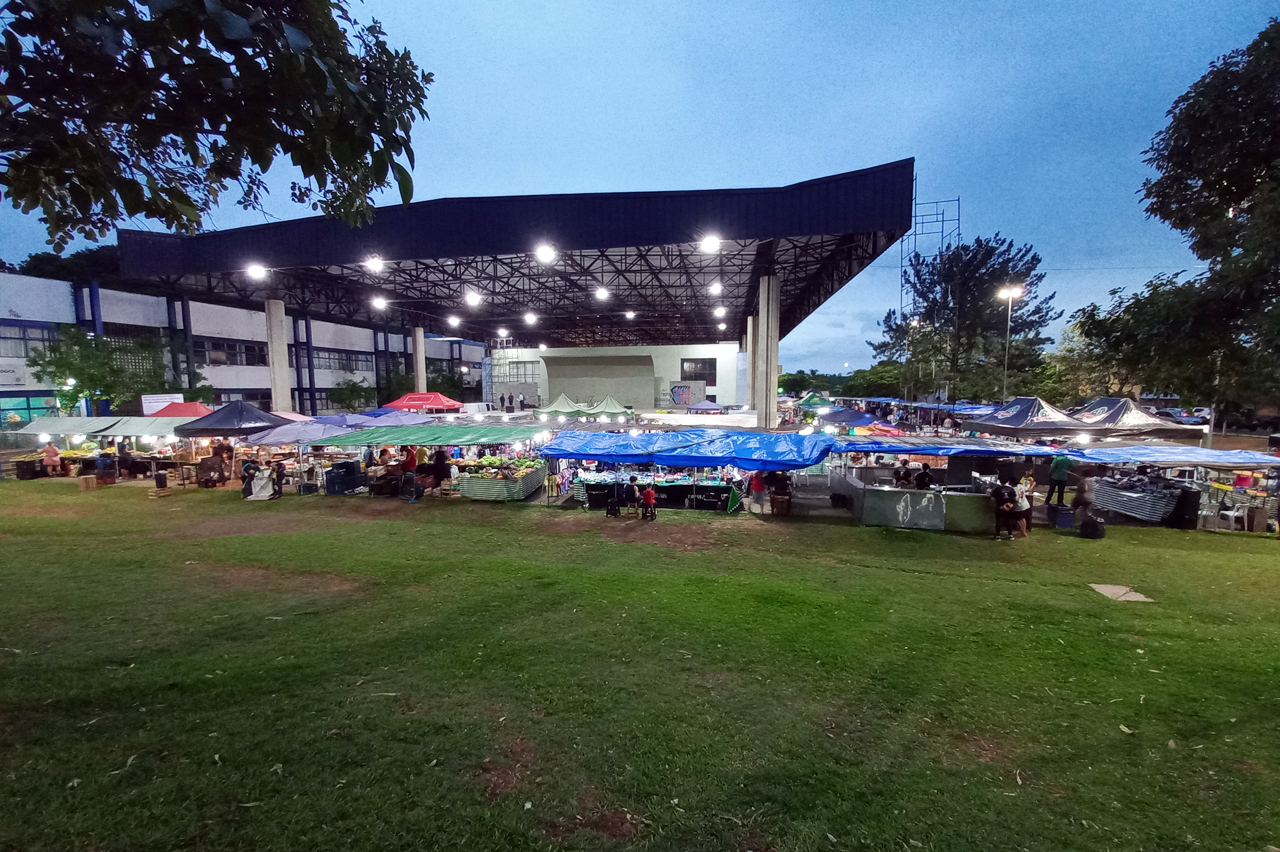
(184, 409)
(424, 401)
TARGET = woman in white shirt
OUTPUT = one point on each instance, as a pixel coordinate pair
(1022, 508)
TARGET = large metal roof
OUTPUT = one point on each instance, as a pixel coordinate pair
(644, 249)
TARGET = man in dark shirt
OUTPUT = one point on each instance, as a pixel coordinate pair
(924, 479)
(902, 475)
(1005, 499)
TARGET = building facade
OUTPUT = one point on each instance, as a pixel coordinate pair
(227, 346)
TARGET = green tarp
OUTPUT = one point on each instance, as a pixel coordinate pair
(134, 426)
(69, 426)
(563, 406)
(432, 435)
(606, 407)
(814, 400)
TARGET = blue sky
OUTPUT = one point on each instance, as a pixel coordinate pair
(1034, 113)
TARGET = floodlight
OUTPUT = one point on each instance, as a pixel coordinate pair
(720, 311)
(473, 298)
(560, 419)
(543, 418)
(602, 293)
(256, 271)
(454, 322)
(44, 437)
(542, 347)
(631, 314)
(379, 303)
(709, 244)
(722, 326)
(374, 264)
(502, 332)
(544, 253)
(530, 318)
(715, 288)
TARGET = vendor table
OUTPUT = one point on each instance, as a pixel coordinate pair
(1144, 505)
(479, 488)
(673, 496)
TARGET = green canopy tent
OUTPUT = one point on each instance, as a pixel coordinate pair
(813, 400)
(565, 407)
(607, 407)
(434, 435)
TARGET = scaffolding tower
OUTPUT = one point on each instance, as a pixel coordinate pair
(935, 227)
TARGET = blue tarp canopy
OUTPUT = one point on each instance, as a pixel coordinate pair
(1175, 455)
(351, 421)
(694, 448)
(851, 417)
(306, 432)
(401, 418)
(380, 412)
(941, 447)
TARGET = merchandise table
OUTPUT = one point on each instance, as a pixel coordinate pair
(705, 495)
(481, 488)
(1143, 505)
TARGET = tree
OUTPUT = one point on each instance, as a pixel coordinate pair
(118, 108)
(1084, 369)
(881, 379)
(956, 335)
(93, 367)
(353, 396)
(1179, 336)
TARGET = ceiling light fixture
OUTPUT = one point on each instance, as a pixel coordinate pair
(472, 299)
(709, 244)
(544, 253)
(454, 322)
(502, 332)
(379, 303)
(631, 314)
(374, 264)
(602, 293)
(722, 326)
(715, 288)
(719, 311)
(257, 271)
(530, 318)
(542, 347)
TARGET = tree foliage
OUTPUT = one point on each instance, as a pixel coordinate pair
(352, 396)
(1214, 337)
(956, 336)
(118, 108)
(94, 367)
(881, 379)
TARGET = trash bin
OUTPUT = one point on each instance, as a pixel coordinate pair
(162, 479)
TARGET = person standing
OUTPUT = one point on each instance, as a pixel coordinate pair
(902, 474)
(522, 400)
(52, 459)
(759, 491)
(1005, 500)
(502, 401)
(924, 479)
(1058, 477)
(1021, 509)
(422, 458)
(440, 469)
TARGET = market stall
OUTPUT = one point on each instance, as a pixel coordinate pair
(675, 489)
(500, 478)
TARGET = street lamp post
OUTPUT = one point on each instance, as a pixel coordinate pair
(1008, 294)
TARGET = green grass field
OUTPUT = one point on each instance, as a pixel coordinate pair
(347, 673)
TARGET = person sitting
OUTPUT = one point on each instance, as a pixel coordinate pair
(902, 475)
(632, 496)
(384, 457)
(649, 502)
(924, 479)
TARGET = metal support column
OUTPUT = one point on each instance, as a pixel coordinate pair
(190, 342)
(175, 358)
(311, 371)
(753, 324)
(298, 383)
(765, 356)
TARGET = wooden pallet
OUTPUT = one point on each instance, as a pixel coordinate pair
(157, 493)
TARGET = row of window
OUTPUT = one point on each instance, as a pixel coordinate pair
(216, 352)
(19, 409)
(18, 341)
(698, 370)
(335, 359)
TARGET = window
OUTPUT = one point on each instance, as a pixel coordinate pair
(698, 370)
(522, 371)
(260, 398)
(336, 359)
(17, 341)
(22, 408)
(216, 352)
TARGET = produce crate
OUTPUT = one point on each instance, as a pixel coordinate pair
(502, 490)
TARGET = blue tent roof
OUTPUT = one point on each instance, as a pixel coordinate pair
(1174, 454)
(379, 412)
(942, 447)
(694, 448)
(850, 417)
(351, 421)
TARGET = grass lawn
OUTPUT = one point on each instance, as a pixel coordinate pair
(346, 673)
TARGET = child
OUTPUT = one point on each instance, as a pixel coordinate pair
(649, 497)
(633, 497)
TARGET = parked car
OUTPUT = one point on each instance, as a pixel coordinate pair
(1181, 415)
(1202, 411)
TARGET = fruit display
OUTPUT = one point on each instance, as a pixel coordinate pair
(65, 455)
(490, 467)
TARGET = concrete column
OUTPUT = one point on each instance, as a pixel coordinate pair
(419, 360)
(278, 356)
(771, 341)
(765, 356)
(752, 325)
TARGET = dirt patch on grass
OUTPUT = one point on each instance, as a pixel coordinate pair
(61, 513)
(984, 748)
(615, 825)
(520, 751)
(635, 531)
(253, 577)
(498, 780)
